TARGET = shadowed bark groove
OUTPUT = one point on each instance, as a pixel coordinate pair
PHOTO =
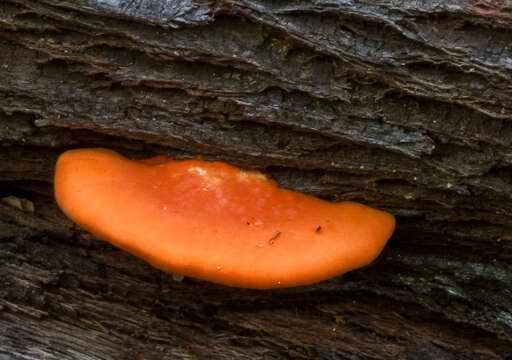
(404, 106)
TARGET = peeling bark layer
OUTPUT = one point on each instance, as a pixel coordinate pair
(405, 106)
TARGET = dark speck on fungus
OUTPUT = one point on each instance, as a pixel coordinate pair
(274, 237)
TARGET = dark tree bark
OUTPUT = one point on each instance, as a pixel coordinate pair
(404, 106)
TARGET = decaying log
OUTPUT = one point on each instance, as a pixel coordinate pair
(404, 106)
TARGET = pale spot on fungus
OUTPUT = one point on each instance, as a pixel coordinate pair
(198, 170)
(121, 201)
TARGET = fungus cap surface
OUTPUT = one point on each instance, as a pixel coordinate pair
(216, 222)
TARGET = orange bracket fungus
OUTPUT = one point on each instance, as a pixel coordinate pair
(216, 222)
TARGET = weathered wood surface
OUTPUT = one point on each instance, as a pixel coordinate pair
(405, 106)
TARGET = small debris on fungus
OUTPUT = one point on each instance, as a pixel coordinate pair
(274, 237)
